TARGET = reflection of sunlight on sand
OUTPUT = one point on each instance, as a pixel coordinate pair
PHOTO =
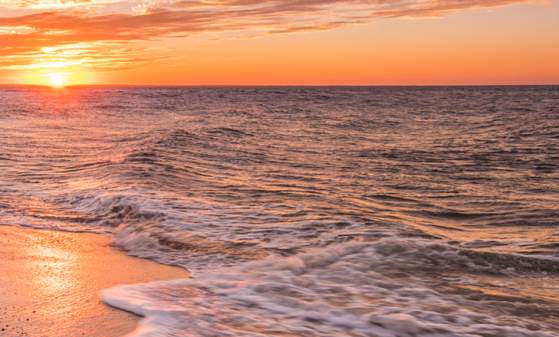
(60, 266)
(50, 283)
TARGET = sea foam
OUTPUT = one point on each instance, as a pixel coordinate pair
(380, 288)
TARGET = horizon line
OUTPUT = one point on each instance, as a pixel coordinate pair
(7, 85)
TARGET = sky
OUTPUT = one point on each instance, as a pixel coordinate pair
(279, 42)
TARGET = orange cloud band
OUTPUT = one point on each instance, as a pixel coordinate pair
(77, 34)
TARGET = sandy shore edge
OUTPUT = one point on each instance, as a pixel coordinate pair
(50, 283)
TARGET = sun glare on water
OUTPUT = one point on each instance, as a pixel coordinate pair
(57, 80)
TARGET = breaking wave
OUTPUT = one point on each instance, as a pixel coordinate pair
(304, 211)
(389, 287)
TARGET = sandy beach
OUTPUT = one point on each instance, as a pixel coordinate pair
(50, 283)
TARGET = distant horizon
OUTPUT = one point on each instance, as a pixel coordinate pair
(46, 86)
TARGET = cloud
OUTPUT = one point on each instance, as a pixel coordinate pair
(101, 33)
(42, 4)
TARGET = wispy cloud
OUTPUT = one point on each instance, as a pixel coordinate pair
(102, 33)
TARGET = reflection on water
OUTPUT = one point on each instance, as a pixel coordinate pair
(446, 192)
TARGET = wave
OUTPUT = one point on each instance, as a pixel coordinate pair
(390, 287)
(316, 212)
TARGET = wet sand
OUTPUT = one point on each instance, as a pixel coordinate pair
(50, 283)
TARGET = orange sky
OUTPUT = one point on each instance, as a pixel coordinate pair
(244, 42)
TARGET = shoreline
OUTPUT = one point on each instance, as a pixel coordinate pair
(50, 283)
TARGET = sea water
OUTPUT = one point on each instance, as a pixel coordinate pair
(366, 211)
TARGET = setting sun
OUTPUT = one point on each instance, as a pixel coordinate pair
(57, 80)
(322, 167)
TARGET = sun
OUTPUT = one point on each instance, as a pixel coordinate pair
(57, 80)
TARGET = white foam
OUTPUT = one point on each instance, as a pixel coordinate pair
(354, 289)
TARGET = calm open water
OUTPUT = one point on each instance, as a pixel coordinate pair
(304, 211)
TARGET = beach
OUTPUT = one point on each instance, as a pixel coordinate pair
(298, 211)
(50, 283)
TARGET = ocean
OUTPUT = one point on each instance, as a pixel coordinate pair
(331, 211)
